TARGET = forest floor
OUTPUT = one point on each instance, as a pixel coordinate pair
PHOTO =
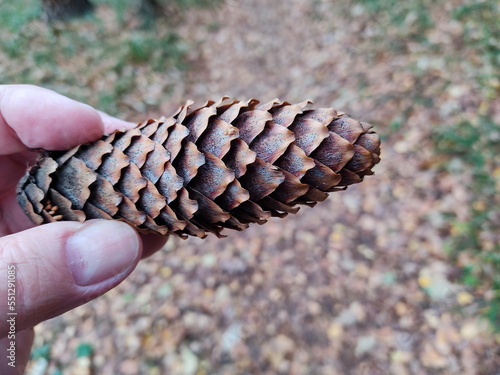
(360, 284)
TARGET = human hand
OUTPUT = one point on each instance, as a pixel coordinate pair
(59, 266)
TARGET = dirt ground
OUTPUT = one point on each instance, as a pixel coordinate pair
(360, 284)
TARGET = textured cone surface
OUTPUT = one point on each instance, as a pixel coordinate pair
(224, 165)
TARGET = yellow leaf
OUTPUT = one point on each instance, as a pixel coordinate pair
(464, 298)
(479, 205)
(335, 330)
(400, 356)
(166, 271)
(424, 281)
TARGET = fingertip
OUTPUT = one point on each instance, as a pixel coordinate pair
(112, 123)
(42, 118)
(152, 243)
(63, 265)
(101, 250)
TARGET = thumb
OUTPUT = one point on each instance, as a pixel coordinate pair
(53, 268)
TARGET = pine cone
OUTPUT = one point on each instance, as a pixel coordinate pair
(223, 165)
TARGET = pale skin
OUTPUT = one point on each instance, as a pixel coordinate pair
(51, 274)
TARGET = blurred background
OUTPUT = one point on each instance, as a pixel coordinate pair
(397, 275)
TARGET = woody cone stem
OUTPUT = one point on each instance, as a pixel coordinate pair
(224, 165)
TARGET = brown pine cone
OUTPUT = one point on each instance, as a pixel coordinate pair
(224, 165)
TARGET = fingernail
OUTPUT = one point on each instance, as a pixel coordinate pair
(100, 251)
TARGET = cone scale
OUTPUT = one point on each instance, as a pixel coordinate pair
(223, 165)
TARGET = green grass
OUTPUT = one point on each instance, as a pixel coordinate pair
(411, 18)
(476, 145)
(100, 59)
(16, 14)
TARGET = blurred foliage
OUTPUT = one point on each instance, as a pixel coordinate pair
(411, 18)
(41, 352)
(475, 145)
(427, 68)
(106, 54)
(84, 350)
(119, 48)
(469, 142)
(150, 10)
(15, 14)
(481, 32)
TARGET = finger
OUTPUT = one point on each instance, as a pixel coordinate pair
(16, 351)
(112, 123)
(34, 117)
(19, 221)
(14, 166)
(59, 266)
(152, 243)
(12, 217)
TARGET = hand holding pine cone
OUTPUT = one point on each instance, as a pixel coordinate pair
(223, 165)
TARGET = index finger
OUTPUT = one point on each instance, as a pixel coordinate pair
(33, 117)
